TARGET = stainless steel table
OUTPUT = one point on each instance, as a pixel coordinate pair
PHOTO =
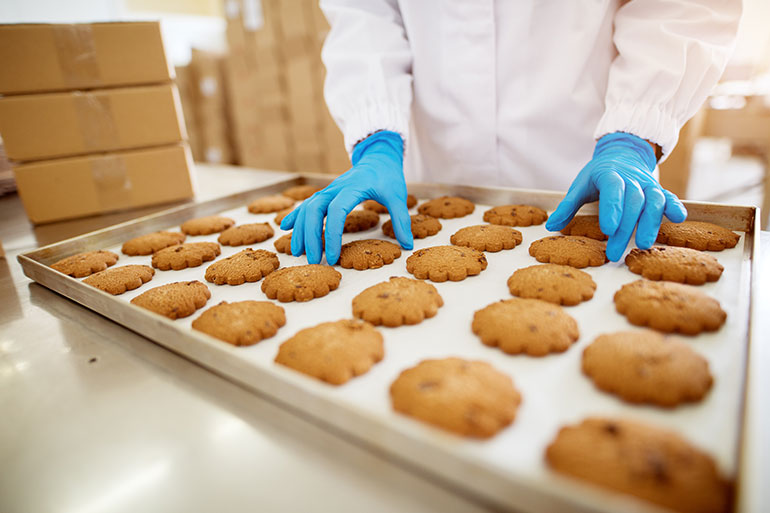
(94, 417)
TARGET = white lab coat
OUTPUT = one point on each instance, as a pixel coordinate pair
(515, 92)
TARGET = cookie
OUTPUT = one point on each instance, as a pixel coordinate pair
(586, 226)
(300, 192)
(152, 242)
(85, 264)
(446, 207)
(175, 300)
(558, 284)
(246, 234)
(469, 398)
(281, 214)
(182, 256)
(360, 220)
(368, 254)
(396, 302)
(642, 460)
(243, 323)
(301, 282)
(681, 265)
(697, 235)
(117, 280)
(248, 265)
(669, 307)
(381, 209)
(515, 215)
(487, 237)
(422, 226)
(442, 263)
(527, 326)
(646, 367)
(572, 250)
(283, 244)
(206, 225)
(268, 204)
(333, 352)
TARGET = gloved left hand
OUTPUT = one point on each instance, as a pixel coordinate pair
(620, 176)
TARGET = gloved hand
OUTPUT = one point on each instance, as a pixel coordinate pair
(377, 174)
(620, 176)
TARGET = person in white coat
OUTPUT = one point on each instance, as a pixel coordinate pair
(516, 93)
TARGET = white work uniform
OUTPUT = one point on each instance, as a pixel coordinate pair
(515, 92)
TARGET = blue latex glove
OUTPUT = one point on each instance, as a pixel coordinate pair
(377, 174)
(620, 176)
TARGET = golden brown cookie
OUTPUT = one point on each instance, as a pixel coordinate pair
(681, 265)
(85, 264)
(301, 282)
(246, 234)
(242, 323)
(301, 192)
(469, 398)
(642, 460)
(248, 265)
(397, 301)
(333, 352)
(268, 204)
(515, 215)
(487, 237)
(206, 225)
(558, 284)
(697, 235)
(422, 226)
(175, 300)
(586, 226)
(646, 367)
(182, 256)
(447, 207)
(528, 326)
(281, 214)
(368, 254)
(360, 220)
(569, 250)
(669, 307)
(152, 242)
(283, 244)
(117, 280)
(442, 263)
(381, 209)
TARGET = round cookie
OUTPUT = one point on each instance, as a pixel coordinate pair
(206, 225)
(268, 204)
(381, 209)
(569, 250)
(182, 256)
(118, 280)
(669, 307)
(300, 192)
(515, 215)
(487, 237)
(558, 284)
(152, 242)
(248, 265)
(283, 244)
(360, 220)
(646, 367)
(368, 254)
(422, 226)
(642, 460)
(681, 265)
(333, 352)
(586, 226)
(528, 326)
(396, 302)
(175, 300)
(246, 234)
(301, 282)
(242, 323)
(85, 264)
(442, 263)
(697, 235)
(447, 207)
(469, 398)
(281, 214)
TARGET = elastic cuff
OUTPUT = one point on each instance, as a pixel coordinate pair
(363, 121)
(651, 123)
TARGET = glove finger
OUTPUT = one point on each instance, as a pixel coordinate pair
(287, 223)
(675, 209)
(612, 190)
(649, 221)
(315, 211)
(632, 208)
(402, 221)
(336, 214)
(298, 235)
(578, 193)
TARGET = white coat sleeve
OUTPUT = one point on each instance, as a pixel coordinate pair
(671, 53)
(368, 68)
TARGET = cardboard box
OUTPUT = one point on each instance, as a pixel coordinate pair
(43, 57)
(185, 84)
(211, 107)
(44, 126)
(80, 186)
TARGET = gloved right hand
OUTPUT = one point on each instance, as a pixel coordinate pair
(377, 174)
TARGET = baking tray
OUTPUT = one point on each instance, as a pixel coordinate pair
(507, 470)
